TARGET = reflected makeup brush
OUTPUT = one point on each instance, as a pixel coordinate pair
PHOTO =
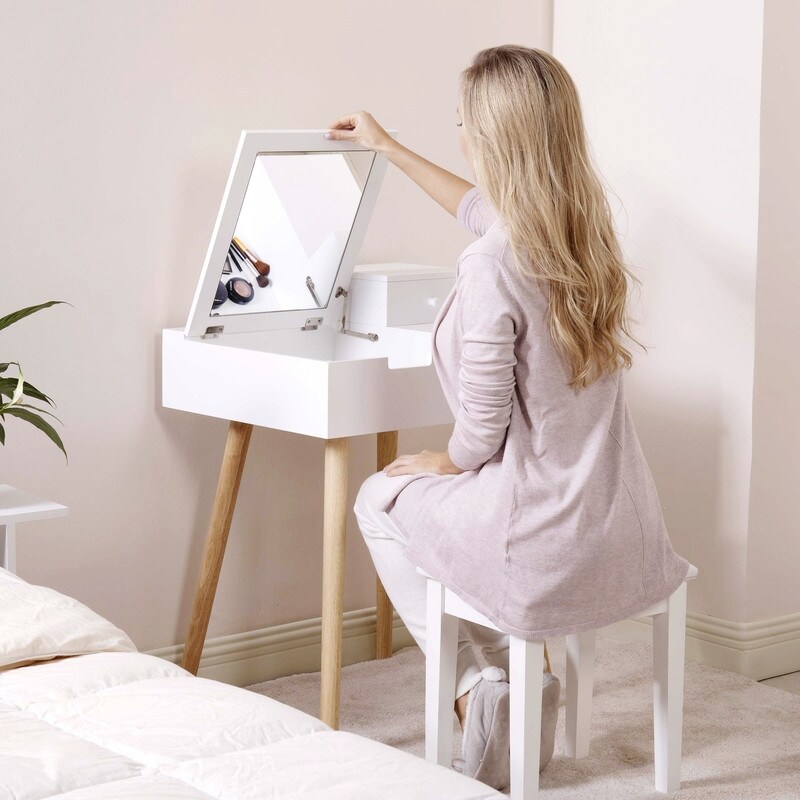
(235, 258)
(262, 280)
(243, 256)
(261, 266)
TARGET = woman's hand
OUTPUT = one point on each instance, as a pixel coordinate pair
(362, 129)
(444, 187)
(426, 461)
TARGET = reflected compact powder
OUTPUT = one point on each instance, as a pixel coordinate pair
(221, 296)
(240, 291)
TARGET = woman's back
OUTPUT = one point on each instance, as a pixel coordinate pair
(555, 526)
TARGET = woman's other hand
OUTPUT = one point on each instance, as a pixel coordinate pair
(362, 129)
(426, 461)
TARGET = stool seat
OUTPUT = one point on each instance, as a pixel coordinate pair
(526, 663)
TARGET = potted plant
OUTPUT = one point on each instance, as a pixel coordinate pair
(15, 391)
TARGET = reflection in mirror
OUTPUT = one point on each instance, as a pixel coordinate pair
(292, 230)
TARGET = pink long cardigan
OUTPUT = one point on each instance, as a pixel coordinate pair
(555, 526)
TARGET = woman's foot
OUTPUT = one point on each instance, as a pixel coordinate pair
(485, 744)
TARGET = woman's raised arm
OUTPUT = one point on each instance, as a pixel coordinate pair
(444, 187)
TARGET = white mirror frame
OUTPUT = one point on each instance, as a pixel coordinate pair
(251, 144)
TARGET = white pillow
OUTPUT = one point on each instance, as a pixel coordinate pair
(38, 624)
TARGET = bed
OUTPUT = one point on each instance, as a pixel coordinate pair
(84, 716)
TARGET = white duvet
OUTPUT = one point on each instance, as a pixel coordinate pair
(121, 724)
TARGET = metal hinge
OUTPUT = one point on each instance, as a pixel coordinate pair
(213, 332)
(312, 323)
(373, 337)
(311, 288)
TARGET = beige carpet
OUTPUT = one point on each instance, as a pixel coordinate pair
(741, 739)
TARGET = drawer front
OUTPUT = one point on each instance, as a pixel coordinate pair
(416, 302)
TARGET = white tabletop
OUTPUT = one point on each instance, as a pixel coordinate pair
(19, 506)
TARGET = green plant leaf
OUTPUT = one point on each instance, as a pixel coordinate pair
(17, 394)
(38, 422)
(4, 367)
(37, 409)
(16, 316)
(2, 435)
(8, 385)
(13, 388)
(29, 390)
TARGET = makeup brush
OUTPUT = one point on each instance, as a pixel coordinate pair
(234, 258)
(244, 258)
(262, 266)
(261, 280)
(237, 252)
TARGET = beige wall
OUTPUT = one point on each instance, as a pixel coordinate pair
(773, 552)
(696, 128)
(120, 122)
(671, 97)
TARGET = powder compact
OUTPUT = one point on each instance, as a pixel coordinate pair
(240, 291)
(221, 296)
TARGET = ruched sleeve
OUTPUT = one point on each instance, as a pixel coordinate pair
(474, 213)
(487, 313)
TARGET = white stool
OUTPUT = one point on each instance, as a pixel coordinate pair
(526, 665)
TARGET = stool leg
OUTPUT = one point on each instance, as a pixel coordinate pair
(580, 684)
(669, 646)
(8, 547)
(440, 677)
(526, 665)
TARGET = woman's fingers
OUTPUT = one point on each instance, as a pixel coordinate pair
(350, 121)
(398, 462)
(344, 129)
(342, 135)
(361, 128)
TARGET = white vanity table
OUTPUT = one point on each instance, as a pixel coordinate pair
(351, 355)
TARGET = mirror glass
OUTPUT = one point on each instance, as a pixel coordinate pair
(296, 218)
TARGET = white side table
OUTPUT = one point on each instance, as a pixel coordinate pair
(18, 506)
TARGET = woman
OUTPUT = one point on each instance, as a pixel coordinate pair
(542, 512)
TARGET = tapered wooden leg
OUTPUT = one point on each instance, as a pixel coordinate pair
(333, 541)
(230, 476)
(387, 452)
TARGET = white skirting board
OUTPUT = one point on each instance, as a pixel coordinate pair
(242, 659)
(759, 650)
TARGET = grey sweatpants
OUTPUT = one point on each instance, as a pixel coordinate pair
(407, 589)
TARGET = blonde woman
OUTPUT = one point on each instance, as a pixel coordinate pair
(542, 513)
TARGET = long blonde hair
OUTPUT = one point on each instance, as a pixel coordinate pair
(523, 123)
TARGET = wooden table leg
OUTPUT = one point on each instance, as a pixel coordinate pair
(333, 541)
(230, 476)
(387, 452)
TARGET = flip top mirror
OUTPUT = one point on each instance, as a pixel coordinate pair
(288, 232)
